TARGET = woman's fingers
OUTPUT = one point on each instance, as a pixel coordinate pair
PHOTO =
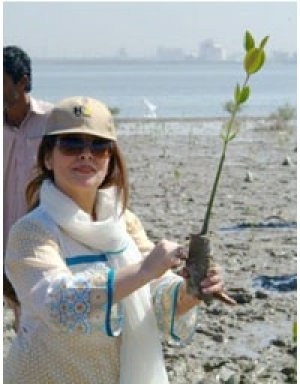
(212, 284)
(214, 278)
(214, 269)
(179, 255)
(212, 287)
(222, 296)
(184, 273)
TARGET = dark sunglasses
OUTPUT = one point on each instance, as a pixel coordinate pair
(74, 145)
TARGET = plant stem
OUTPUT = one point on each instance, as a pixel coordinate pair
(226, 140)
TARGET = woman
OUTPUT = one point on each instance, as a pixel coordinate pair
(93, 308)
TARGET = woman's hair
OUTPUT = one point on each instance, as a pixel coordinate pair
(116, 174)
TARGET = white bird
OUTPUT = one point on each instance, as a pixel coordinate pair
(150, 109)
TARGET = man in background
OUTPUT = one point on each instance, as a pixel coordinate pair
(24, 121)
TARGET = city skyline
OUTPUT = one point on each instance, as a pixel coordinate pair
(207, 50)
(137, 29)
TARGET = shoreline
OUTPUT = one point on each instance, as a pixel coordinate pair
(186, 119)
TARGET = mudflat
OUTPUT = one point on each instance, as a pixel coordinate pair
(254, 234)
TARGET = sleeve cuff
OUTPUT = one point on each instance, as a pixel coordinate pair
(114, 312)
(183, 327)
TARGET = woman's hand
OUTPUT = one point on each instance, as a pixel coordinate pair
(213, 284)
(165, 255)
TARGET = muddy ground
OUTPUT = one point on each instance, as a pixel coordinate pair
(254, 227)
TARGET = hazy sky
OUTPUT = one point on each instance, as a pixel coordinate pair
(102, 28)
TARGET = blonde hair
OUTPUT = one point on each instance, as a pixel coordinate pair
(116, 174)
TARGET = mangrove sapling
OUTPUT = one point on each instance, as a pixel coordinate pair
(200, 250)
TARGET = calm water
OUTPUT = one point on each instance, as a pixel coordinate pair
(178, 89)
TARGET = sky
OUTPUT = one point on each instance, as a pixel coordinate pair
(95, 29)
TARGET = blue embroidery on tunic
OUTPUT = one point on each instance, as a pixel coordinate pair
(85, 259)
(110, 298)
(175, 298)
(70, 303)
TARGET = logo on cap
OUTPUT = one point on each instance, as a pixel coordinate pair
(81, 110)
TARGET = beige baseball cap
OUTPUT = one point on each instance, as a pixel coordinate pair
(81, 115)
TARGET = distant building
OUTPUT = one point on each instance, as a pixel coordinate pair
(209, 51)
(283, 57)
(280, 56)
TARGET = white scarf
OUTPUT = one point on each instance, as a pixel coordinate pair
(141, 358)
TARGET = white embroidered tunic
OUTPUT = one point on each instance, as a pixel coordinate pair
(70, 330)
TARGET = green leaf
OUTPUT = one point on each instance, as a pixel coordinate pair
(263, 59)
(254, 60)
(244, 96)
(237, 93)
(232, 136)
(235, 129)
(263, 42)
(248, 41)
(231, 106)
(224, 131)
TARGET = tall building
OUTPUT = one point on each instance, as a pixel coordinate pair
(209, 51)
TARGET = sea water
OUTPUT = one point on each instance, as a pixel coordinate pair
(177, 89)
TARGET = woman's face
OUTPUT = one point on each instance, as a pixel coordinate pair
(79, 163)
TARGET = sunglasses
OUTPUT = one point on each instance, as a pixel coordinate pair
(74, 146)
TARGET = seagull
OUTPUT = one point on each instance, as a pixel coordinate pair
(151, 108)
